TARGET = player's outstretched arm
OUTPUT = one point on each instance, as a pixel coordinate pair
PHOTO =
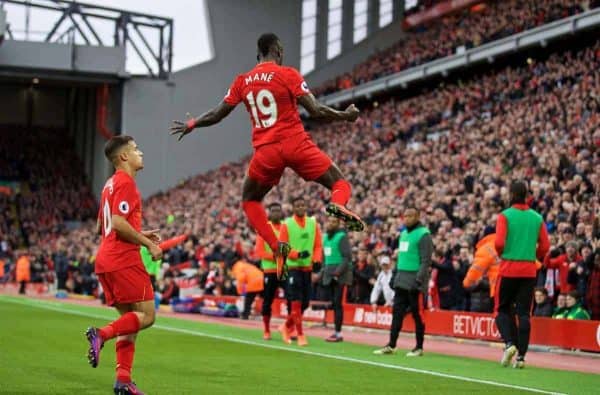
(126, 232)
(325, 113)
(207, 119)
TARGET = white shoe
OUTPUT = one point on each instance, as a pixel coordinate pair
(385, 350)
(519, 363)
(509, 353)
(416, 352)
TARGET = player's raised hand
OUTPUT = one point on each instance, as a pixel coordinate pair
(183, 128)
(156, 252)
(352, 113)
(153, 235)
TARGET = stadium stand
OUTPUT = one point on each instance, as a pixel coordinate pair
(466, 29)
(47, 189)
(53, 187)
(452, 149)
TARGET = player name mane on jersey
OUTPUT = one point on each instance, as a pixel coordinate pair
(265, 77)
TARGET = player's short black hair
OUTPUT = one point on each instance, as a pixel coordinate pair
(518, 191)
(112, 146)
(265, 42)
(412, 206)
(274, 204)
(542, 290)
(297, 198)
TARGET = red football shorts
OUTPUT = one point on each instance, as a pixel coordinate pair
(129, 285)
(298, 153)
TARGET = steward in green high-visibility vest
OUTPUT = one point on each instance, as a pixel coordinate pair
(268, 265)
(521, 238)
(410, 280)
(304, 235)
(336, 273)
(412, 268)
(152, 266)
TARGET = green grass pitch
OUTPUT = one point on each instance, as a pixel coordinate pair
(43, 351)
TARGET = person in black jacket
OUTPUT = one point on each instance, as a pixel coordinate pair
(579, 272)
(410, 281)
(61, 266)
(364, 278)
(336, 273)
(448, 281)
(543, 304)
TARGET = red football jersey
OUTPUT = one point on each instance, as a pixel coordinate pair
(269, 92)
(120, 196)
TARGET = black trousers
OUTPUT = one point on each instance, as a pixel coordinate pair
(403, 301)
(153, 281)
(513, 310)
(298, 287)
(62, 281)
(22, 287)
(269, 292)
(248, 300)
(335, 291)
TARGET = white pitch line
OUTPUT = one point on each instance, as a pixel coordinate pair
(49, 306)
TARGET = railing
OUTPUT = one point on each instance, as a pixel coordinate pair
(149, 36)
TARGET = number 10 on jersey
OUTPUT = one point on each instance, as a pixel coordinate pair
(106, 218)
(268, 109)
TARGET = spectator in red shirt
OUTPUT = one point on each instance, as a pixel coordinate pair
(565, 263)
(169, 290)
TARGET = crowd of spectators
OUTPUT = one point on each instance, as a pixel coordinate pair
(452, 150)
(47, 189)
(468, 29)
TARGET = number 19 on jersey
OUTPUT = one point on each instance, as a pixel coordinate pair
(266, 110)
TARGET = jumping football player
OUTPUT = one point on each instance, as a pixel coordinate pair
(271, 93)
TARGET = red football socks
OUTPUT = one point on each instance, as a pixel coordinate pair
(289, 322)
(127, 324)
(297, 316)
(267, 323)
(257, 217)
(340, 192)
(125, 350)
